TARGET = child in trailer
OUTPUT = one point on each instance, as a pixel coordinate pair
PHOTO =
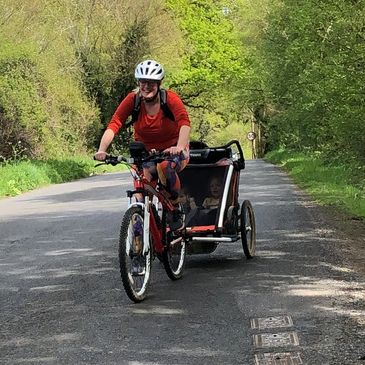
(188, 205)
(206, 214)
(211, 203)
(187, 201)
(215, 188)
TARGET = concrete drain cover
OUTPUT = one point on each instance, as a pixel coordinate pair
(282, 339)
(278, 358)
(271, 322)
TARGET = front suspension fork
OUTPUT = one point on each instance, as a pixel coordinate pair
(152, 228)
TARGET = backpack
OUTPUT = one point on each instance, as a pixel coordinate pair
(163, 104)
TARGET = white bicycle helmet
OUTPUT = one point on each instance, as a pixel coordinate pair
(150, 70)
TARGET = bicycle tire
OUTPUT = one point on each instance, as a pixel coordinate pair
(248, 229)
(174, 254)
(134, 285)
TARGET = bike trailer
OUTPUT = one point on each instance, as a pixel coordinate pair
(209, 195)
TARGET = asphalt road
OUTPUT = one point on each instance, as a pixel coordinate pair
(299, 301)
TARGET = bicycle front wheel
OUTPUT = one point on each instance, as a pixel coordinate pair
(134, 257)
(173, 257)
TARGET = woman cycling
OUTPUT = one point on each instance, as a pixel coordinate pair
(155, 129)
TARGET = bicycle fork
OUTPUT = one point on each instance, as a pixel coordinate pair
(150, 227)
(145, 206)
(146, 225)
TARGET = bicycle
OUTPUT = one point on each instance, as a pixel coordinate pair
(145, 232)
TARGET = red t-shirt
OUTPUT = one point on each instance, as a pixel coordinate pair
(155, 131)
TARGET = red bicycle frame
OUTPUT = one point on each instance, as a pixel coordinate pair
(148, 189)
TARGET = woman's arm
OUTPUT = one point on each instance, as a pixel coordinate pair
(105, 142)
(119, 117)
(184, 136)
(182, 142)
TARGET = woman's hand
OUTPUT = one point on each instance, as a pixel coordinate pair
(100, 155)
(174, 150)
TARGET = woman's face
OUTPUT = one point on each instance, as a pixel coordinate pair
(215, 188)
(148, 88)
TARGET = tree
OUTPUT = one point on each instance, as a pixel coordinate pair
(311, 55)
(211, 63)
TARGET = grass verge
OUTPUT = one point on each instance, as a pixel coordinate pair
(22, 176)
(328, 182)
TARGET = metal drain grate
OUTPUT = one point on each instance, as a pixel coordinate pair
(282, 339)
(278, 358)
(271, 322)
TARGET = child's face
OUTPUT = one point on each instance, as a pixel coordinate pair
(215, 188)
(183, 197)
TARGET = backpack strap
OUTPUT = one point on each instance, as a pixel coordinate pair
(135, 111)
(137, 107)
(164, 106)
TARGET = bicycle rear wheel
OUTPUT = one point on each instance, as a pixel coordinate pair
(135, 267)
(248, 229)
(173, 257)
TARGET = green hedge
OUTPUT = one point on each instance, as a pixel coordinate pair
(329, 182)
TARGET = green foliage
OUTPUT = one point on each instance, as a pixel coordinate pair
(314, 54)
(212, 62)
(19, 177)
(43, 108)
(45, 112)
(22, 113)
(28, 175)
(332, 183)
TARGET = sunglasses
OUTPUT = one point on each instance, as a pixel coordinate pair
(148, 82)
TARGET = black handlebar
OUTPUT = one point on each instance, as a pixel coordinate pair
(139, 155)
(115, 160)
(111, 160)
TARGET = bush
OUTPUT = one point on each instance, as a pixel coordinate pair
(43, 112)
(22, 111)
(19, 177)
